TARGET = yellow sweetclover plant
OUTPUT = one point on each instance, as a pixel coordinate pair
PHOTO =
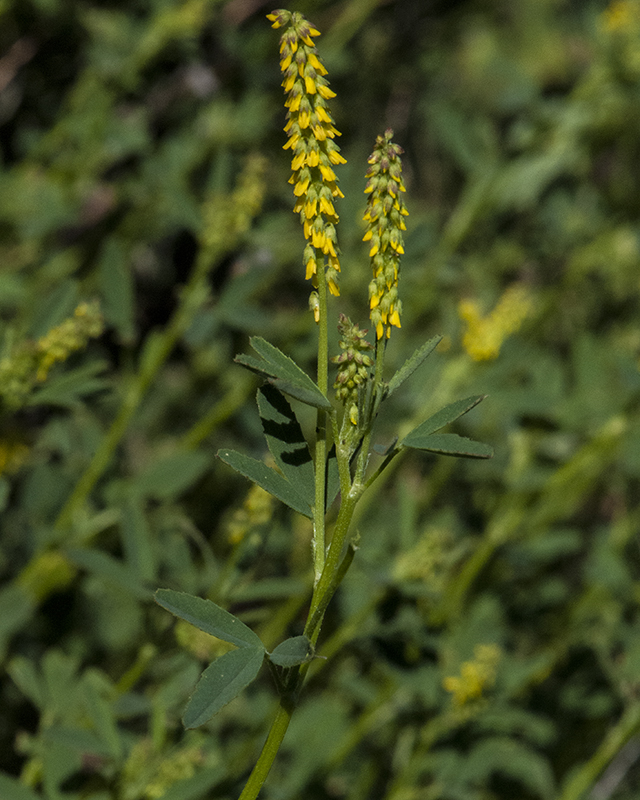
(310, 476)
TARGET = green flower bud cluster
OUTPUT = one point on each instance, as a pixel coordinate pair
(29, 364)
(354, 363)
(385, 223)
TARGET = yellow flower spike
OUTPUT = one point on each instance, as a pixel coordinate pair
(383, 216)
(311, 132)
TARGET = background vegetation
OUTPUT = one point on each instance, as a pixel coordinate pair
(486, 643)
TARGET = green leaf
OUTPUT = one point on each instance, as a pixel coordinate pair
(116, 282)
(67, 389)
(198, 785)
(101, 712)
(292, 652)
(11, 789)
(17, 606)
(268, 589)
(445, 416)
(52, 307)
(208, 617)
(448, 444)
(412, 364)
(109, 568)
(28, 679)
(286, 441)
(513, 759)
(270, 480)
(283, 373)
(137, 539)
(221, 682)
(170, 476)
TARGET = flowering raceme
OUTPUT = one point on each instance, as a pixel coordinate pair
(385, 223)
(311, 133)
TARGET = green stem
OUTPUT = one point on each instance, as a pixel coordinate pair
(584, 778)
(321, 433)
(269, 751)
(313, 622)
(363, 458)
(327, 585)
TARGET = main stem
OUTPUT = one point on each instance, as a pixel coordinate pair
(332, 574)
(328, 572)
(321, 433)
(269, 751)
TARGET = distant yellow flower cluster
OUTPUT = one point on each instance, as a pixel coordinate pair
(30, 362)
(621, 15)
(45, 574)
(150, 771)
(227, 217)
(68, 337)
(256, 510)
(486, 334)
(475, 676)
(430, 559)
(311, 133)
(13, 454)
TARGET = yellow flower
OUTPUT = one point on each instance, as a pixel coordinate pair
(30, 362)
(485, 335)
(475, 676)
(71, 335)
(311, 132)
(621, 15)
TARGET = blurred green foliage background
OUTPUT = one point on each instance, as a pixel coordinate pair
(486, 643)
